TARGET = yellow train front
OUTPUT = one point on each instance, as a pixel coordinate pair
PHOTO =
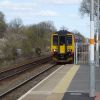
(62, 46)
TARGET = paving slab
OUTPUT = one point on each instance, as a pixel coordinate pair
(80, 81)
(76, 96)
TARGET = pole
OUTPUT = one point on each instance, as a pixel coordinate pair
(76, 52)
(97, 36)
(92, 64)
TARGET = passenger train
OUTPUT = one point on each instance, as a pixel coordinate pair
(63, 46)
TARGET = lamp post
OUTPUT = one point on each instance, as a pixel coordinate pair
(92, 64)
(97, 36)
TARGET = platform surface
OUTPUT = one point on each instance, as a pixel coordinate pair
(69, 82)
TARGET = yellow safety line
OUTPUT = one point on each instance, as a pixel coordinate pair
(65, 82)
(62, 86)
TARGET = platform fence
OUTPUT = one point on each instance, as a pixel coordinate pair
(81, 53)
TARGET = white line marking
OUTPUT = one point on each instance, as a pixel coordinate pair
(79, 91)
(41, 92)
(75, 93)
(23, 96)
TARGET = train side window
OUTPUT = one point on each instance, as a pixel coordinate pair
(55, 40)
(69, 40)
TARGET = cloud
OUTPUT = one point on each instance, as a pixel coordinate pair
(27, 9)
(7, 4)
(61, 2)
(74, 16)
(47, 13)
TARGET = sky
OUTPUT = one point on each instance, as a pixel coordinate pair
(61, 12)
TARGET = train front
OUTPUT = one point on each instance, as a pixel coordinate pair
(62, 46)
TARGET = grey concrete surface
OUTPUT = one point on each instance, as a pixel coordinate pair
(81, 79)
(77, 96)
(79, 84)
(44, 90)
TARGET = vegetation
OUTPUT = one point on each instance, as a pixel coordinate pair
(85, 8)
(20, 40)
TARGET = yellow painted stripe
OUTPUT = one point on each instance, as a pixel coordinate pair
(65, 82)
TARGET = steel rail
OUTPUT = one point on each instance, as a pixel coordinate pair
(26, 81)
(22, 68)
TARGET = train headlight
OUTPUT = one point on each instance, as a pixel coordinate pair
(54, 50)
(69, 50)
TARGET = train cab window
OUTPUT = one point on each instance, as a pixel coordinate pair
(61, 40)
(55, 40)
(69, 40)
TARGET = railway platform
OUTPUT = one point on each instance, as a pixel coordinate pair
(69, 82)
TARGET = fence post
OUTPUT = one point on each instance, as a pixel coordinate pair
(76, 52)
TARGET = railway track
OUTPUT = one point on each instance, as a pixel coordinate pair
(26, 81)
(23, 67)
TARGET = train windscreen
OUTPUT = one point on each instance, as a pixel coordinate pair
(61, 40)
(69, 40)
(55, 39)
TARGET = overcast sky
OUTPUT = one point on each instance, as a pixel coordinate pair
(61, 12)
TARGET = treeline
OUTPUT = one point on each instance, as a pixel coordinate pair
(16, 38)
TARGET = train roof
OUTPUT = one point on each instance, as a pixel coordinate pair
(63, 32)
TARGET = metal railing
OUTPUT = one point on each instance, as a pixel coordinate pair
(81, 53)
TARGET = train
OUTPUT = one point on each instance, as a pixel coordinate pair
(63, 45)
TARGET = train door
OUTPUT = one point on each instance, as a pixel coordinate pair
(62, 44)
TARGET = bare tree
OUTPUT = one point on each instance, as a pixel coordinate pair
(85, 7)
(15, 25)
